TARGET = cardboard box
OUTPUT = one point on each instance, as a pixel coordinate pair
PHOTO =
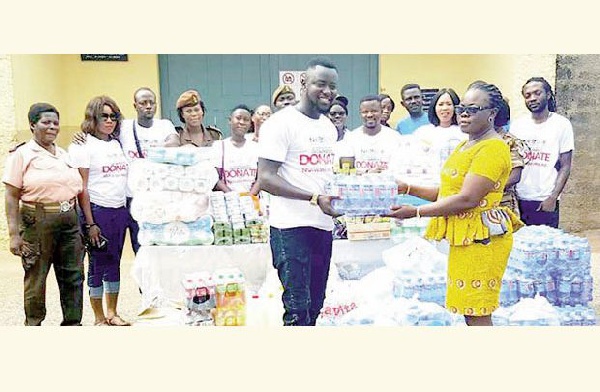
(368, 231)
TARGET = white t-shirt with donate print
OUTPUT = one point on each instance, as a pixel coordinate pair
(156, 135)
(304, 146)
(108, 170)
(547, 141)
(372, 151)
(148, 137)
(239, 163)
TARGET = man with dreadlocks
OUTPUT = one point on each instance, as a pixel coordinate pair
(550, 137)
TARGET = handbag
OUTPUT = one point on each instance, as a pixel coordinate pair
(496, 220)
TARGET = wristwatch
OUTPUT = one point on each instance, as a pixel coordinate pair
(314, 200)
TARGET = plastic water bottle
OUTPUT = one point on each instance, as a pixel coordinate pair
(340, 188)
(513, 290)
(397, 287)
(589, 316)
(585, 251)
(403, 287)
(418, 288)
(441, 291)
(551, 292)
(565, 317)
(564, 290)
(504, 293)
(500, 319)
(354, 193)
(539, 287)
(577, 318)
(368, 202)
(430, 289)
(587, 287)
(576, 290)
(526, 289)
(408, 286)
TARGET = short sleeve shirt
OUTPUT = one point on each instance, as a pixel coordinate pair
(108, 170)
(547, 141)
(41, 176)
(304, 146)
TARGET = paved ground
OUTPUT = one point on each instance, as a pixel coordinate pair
(11, 293)
(11, 289)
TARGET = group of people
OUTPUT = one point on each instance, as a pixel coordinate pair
(61, 203)
(541, 143)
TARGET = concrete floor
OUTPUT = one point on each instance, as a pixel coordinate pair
(11, 289)
(11, 293)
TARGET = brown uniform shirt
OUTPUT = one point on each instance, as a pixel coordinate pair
(41, 176)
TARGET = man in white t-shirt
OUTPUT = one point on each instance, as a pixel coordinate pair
(139, 134)
(550, 137)
(295, 162)
(372, 144)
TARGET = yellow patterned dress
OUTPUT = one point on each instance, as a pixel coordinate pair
(477, 260)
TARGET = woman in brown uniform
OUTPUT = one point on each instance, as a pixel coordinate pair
(44, 231)
(191, 110)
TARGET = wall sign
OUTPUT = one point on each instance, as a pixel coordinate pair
(293, 79)
(103, 57)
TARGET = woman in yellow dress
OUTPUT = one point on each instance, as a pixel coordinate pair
(466, 209)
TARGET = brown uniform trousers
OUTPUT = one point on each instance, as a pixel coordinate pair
(57, 239)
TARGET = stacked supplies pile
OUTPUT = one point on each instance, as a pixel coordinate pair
(171, 196)
(237, 220)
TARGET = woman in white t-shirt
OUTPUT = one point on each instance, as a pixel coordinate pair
(258, 116)
(103, 167)
(237, 157)
(442, 135)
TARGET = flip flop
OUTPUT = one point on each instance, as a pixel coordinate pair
(103, 323)
(117, 321)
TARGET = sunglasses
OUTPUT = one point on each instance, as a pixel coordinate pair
(112, 116)
(470, 110)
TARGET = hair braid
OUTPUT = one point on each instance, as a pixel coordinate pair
(547, 87)
(497, 101)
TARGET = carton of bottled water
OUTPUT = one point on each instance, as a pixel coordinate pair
(558, 263)
(363, 195)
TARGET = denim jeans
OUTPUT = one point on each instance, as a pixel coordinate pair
(302, 256)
